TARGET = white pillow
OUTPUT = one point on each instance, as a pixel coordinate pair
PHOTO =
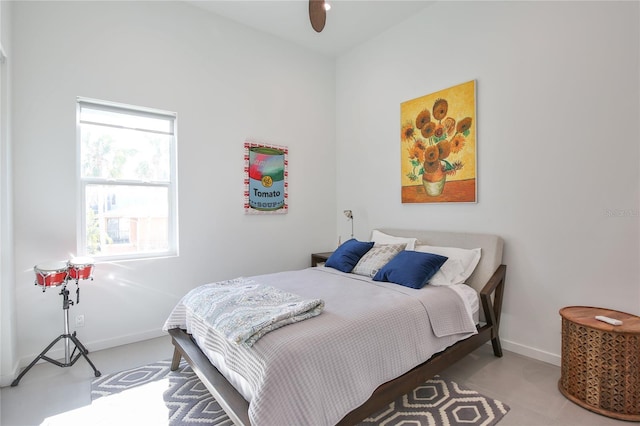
(459, 266)
(382, 238)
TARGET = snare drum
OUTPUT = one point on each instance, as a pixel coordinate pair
(51, 274)
(81, 268)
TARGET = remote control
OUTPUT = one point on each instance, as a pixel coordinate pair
(608, 320)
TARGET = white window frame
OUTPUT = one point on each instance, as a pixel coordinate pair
(171, 185)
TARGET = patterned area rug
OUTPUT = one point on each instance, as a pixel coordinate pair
(437, 402)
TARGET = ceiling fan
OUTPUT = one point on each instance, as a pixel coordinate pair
(318, 14)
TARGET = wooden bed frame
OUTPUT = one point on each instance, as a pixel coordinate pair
(491, 294)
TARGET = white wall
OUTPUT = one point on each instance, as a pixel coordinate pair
(227, 83)
(558, 159)
(8, 347)
(558, 166)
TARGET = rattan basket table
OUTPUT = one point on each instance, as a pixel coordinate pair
(600, 367)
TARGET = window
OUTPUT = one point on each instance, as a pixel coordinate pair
(118, 230)
(127, 172)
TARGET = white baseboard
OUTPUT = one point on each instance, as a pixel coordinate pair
(97, 345)
(530, 352)
(6, 379)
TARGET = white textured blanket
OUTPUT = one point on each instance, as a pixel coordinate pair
(316, 371)
(244, 310)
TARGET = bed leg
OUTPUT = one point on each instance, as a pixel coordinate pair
(497, 347)
(175, 362)
(493, 308)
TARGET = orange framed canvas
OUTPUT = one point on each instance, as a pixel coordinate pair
(438, 146)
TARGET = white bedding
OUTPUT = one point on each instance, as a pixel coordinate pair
(318, 370)
(468, 295)
(470, 298)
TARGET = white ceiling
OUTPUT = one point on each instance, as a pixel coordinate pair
(349, 22)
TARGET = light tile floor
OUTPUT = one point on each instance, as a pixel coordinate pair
(527, 386)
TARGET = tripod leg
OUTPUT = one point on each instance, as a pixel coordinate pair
(79, 345)
(84, 352)
(39, 357)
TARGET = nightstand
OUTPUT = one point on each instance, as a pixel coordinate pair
(600, 367)
(320, 257)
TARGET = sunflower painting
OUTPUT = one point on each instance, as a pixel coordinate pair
(438, 146)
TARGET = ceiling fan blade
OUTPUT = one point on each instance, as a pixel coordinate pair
(317, 14)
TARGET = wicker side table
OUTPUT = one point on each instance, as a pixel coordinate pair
(600, 367)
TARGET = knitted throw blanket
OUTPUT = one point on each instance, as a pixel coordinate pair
(243, 310)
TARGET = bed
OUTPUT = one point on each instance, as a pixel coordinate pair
(284, 373)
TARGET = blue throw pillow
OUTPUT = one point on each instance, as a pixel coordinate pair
(347, 255)
(410, 268)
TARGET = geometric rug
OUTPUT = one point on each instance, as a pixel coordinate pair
(439, 402)
(187, 401)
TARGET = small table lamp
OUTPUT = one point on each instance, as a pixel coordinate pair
(349, 215)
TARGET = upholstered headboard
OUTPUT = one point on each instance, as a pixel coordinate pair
(491, 248)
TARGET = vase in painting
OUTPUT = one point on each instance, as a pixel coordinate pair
(434, 182)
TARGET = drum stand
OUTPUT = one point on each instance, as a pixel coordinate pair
(69, 359)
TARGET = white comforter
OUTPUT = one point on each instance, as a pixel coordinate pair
(316, 371)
